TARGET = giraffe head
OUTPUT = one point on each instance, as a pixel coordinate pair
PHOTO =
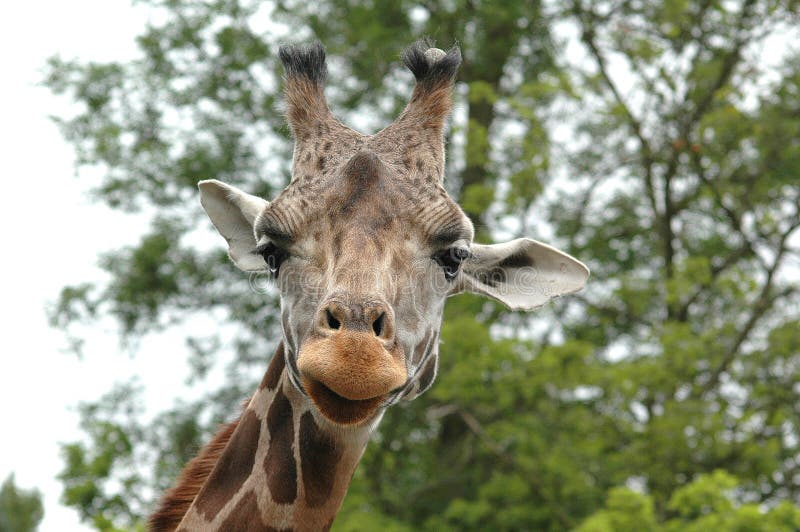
(365, 244)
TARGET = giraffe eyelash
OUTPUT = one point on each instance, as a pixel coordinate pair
(451, 259)
(273, 256)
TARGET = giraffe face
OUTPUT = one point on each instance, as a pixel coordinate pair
(365, 245)
(363, 274)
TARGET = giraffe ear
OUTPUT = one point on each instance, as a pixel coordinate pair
(233, 213)
(524, 274)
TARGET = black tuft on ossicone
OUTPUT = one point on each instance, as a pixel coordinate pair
(442, 70)
(304, 60)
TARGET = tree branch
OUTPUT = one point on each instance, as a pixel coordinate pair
(762, 304)
(648, 160)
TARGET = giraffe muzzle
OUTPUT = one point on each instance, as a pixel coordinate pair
(348, 374)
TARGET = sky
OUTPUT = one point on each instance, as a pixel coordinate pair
(51, 236)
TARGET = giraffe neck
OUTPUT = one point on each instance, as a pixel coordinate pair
(283, 467)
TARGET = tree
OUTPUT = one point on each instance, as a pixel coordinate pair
(652, 141)
(20, 510)
(709, 502)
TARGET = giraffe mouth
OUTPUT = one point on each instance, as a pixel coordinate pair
(339, 409)
(348, 375)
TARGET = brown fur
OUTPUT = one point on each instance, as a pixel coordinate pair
(279, 463)
(429, 106)
(305, 105)
(248, 506)
(319, 457)
(273, 374)
(233, 467)
(179, 498)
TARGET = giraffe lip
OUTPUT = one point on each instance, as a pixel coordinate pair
(338, 409)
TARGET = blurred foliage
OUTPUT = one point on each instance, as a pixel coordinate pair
(20, 510)
(707, 503)
(99, 476)
(656, 141)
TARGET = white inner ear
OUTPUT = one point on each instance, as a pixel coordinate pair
(524, 274)
(233, 213)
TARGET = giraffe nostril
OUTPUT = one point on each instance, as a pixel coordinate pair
(377, 325)
(333, 323)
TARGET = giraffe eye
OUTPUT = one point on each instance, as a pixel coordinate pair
(273, 257)
(450, 260)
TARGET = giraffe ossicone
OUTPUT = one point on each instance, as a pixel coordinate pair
(365, 246)
(434, 54)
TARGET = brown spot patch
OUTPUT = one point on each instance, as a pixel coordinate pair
(428, 374)
(423, 347)
(176, 501)
(381, 220)
(319, 457)
(273, 374)
(279, 463)
(232, 469)
(363, 176)
(245, 517)
(337, 245)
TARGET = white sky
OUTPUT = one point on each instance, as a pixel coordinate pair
(51, 237)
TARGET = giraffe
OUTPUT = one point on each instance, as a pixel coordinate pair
(365, 245)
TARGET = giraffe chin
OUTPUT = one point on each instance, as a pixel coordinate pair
(338, 409)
